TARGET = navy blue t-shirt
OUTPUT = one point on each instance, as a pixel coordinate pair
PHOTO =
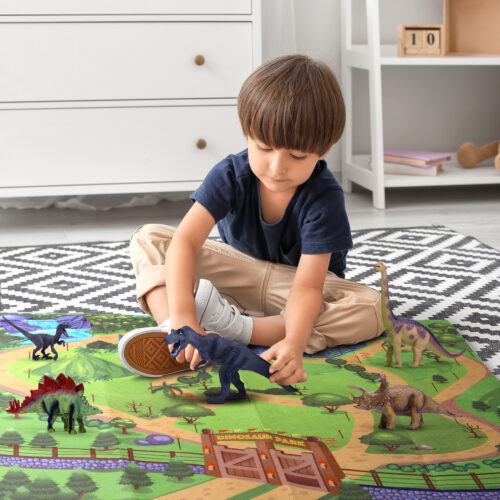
(314, 222)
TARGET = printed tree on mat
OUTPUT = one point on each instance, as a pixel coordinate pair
(105, 440)
(80, 482)
(168, 389)
(43, 440)
(22, 493)
(390, 439)
(178, 469)
(67, 494)
(133, 405)
(14, 478)
(349, 490)
(480, 405)
(326, 400)
(123, 424)
(135, 476)
(44, 487)
(11, 437)
(339, 363)
(190, 412)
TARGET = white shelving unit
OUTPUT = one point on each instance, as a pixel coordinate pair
(372, 57)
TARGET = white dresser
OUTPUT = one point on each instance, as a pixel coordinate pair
(130, 96)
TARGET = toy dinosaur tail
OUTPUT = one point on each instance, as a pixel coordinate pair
(431, 406)
(437, 348)
(27, 334)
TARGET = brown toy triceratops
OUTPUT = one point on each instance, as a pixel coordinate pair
(398, 400)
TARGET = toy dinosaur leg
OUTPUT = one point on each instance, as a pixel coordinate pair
(52, 413)
(414, 419)
(65, 422)
(417, 356)
(388, 354)
(390, 415)
(81, 427)
(35, 355)
(383, 421)
(44, 354)
(71, 422)
(225, 385)
(236, 381)
(397, 350)
(52, 348)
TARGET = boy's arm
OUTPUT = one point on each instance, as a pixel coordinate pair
(180, 264)
(302, 309)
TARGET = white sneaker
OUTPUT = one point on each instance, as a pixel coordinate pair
(216, 314)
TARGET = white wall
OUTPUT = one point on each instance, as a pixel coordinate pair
(424, 107)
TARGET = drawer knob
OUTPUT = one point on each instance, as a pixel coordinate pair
(201, 143)
(199, 60)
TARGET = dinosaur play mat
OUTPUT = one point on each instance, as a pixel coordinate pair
(157, 438)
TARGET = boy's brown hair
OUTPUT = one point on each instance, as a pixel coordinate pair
(293, 102)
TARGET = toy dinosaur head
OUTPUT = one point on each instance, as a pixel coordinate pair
(362, 401)
(61, 329)
(380, 266)
(369, 400)
(180, 338)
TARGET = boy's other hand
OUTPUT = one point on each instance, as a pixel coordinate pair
(287, 368)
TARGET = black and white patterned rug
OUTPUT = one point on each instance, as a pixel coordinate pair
(434, 273)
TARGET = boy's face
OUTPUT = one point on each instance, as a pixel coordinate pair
(280, 170)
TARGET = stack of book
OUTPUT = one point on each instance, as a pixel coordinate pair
(409, 162)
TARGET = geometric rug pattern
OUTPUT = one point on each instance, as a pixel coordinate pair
(434, 273)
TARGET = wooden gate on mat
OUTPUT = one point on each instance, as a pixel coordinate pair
(314, 469)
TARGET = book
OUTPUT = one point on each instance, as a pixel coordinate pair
(417, 158)
(403, 169)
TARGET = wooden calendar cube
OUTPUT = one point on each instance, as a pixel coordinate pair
(420, 40)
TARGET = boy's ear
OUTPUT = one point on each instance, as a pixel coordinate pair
(323, 156)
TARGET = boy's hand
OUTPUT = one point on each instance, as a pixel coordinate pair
(189, 354)
(287, 368)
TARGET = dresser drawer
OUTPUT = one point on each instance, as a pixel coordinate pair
(55, 147)
(123, 60)
(90, 7)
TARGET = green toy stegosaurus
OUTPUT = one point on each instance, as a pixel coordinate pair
(60, 397)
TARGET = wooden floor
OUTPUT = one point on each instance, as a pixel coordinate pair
(473, 211)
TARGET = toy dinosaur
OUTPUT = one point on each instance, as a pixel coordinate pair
(406, 331)
(59, 397)
(398, 400)
(43, 341)
(230, 355)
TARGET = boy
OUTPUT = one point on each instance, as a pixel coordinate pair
(281, 215)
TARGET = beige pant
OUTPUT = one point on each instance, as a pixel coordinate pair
(350, 312)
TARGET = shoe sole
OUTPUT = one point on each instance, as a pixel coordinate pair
(144, 352)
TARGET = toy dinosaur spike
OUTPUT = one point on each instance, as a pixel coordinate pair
(407, 331)
(14, 406)
(59, 397)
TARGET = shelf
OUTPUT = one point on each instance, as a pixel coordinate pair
(374, 57)
(451, 175)
(358, 56)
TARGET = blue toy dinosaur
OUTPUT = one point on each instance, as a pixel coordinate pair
(43, 341)
(230, 355)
